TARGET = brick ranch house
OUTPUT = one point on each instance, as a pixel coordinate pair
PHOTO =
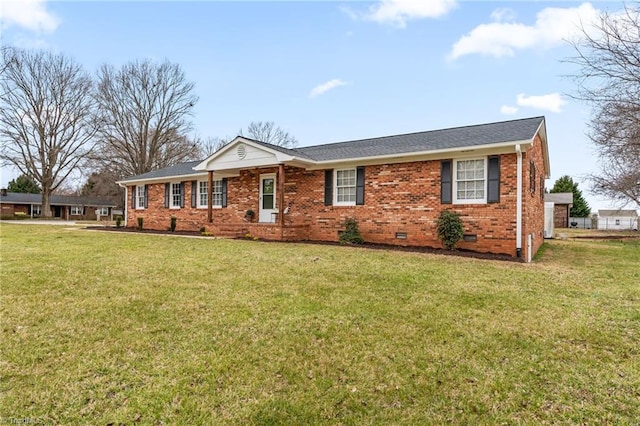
(66, 207)
(395, 186)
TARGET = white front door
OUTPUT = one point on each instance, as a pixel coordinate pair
(267, 198)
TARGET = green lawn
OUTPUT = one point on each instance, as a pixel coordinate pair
(109, 328)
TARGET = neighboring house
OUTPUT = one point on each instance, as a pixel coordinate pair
(562, 203)
(66, 207)
(396, 186)
(618, 219)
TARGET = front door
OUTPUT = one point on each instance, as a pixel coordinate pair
(267, 198)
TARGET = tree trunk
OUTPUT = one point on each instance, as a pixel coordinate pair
(46, 203)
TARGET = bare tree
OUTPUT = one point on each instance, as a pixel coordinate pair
(46, 110)
(144, 113)
(267, 131)
(608, 56)
(210, 145)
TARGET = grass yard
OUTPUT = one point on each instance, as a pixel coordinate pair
(109, 328)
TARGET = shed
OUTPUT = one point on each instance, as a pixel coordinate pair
(618, 220)
(563, 201)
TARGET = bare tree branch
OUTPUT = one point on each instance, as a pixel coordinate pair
(267, 131)
(144, 110)
(46, 117)
(608, 78)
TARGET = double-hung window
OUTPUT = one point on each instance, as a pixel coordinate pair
(345, 187)
(216, 193)
(140, 197)
(470, 181)
(76, 210)
(36, 209)
(102, 211)
(176, 195)
(203, 193)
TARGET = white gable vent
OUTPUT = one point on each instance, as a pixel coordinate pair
(241, 151)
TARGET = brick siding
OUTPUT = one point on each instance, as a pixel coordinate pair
(399, 198)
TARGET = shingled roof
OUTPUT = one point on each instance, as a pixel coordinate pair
(58, 200)
(182, 169)
(421, 142)
(457, 137)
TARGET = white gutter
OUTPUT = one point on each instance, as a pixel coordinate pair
(519, 202)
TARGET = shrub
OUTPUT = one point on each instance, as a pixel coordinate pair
(449, 228)
(351, 234)
(203, 229)
(140, 222)
(174, 220)
(118, 221)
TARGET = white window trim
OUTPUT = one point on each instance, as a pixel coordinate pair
(76, 208)
(100, 209)
(204, 206)
(139, 206)
(455, 182)
(335, 187)
(171, 195)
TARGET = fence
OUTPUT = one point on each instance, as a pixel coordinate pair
(605, 223)
(583, 222)
(620, 224)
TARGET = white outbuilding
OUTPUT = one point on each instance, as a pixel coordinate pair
(621, 220)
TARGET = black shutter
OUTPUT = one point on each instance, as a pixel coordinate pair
(182, 194)
(328, 187)
(493, 186)
(360, 185)
(194, 193)
(224, 192)
(446, 186)
(167, 194)
(146, 196)
(133, 197)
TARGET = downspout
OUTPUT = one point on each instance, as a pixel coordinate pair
(519, 202)
(126, 203)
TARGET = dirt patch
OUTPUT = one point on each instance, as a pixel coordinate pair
(372, 246)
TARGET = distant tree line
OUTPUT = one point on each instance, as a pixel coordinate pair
(57, 119)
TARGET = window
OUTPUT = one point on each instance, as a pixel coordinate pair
(176, 195)
(102, 211)
(76, 210)
(532, 177)
(216, 193)
(469, 182)
(617, 222)
(36, 210)
(346, 187)
(203, 194)
(140, 196)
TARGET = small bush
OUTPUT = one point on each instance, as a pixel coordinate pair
(174, 221)
(449, 228)
(203, 229)
(140, 223)
(119, 221)
(351, 234)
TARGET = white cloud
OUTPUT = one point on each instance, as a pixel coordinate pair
(553, 25)
(325, 87)
(508, 110)
(552, 102)
(398, 12)
(29, 14)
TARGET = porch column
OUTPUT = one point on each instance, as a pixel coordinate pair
(209, 197)
(281, 195)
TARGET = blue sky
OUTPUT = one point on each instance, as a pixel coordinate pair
(331, 71)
